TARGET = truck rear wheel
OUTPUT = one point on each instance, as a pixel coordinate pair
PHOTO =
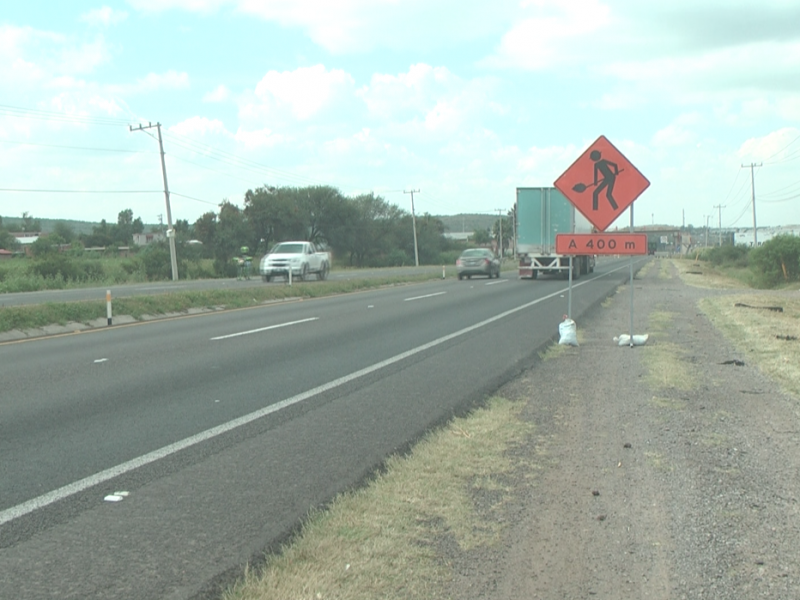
(323, 271)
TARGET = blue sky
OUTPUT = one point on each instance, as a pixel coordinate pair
(464, 101)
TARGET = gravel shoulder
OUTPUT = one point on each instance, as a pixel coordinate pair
(637, 485)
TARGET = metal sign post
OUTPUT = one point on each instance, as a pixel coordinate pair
(631, 342)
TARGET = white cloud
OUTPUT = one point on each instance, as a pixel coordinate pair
(200, 126)
(259, 138)
(673, 135)
(556, 33)
(302, 93)
(344, 26)
(219, 94)
(171, 80)
(416, 90)
(104, 16)
(776, 145)
(202, 6)
(31, 57)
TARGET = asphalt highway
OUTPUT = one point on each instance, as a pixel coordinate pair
(150, 460)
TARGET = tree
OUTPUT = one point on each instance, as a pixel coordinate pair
(481, 237)
(46, 245)
(64, 231)
(29, 224)
(373, 229)
(102, 236)
(230, 234)
(777, 260)
(8, 241)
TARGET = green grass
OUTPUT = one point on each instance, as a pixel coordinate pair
(382, 541)
(29, 317)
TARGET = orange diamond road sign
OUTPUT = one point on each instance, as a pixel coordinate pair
(602, 183)
(601, 243)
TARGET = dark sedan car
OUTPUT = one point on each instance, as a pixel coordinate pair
(478, 261)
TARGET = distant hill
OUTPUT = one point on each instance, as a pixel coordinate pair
(48, 225)
(452, 223)
(467, 222)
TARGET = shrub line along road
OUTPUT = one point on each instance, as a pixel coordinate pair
(226, 428)
(153, 288)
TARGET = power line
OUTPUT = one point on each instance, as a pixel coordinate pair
(47, 115)
(195, 199)
(37, 191)
(784, 148)
(73, 147)
(232, 159)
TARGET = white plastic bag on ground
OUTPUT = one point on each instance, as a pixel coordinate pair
(568, 332)
(625, 340)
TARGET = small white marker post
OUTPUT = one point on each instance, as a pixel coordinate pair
(443, 277)
(290, 276)
(108, 306)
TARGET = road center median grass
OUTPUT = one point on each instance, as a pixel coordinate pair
(138, 307)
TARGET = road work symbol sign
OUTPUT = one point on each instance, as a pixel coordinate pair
(602, 183)
(601, 243)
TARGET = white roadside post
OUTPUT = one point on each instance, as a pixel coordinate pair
(108, 306)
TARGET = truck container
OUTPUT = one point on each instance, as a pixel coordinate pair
(542, 213)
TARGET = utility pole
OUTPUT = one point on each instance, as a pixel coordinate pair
(500, 244)
(170, 230)
(414, 223)
(719, 208)
(752, 166)
(706, 217)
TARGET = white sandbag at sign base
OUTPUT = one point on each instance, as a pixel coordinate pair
(568, 333)
(625, 340)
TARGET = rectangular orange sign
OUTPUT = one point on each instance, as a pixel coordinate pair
(601, 243)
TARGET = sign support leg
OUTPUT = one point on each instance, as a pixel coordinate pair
(569, 293)
(631, 259)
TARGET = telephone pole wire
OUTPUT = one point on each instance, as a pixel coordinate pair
(170, 230)
(752, 166)
(414, 223)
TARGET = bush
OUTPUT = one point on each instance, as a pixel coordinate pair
(157, 262)
(728, 256)
(777, 261)
(55, 266)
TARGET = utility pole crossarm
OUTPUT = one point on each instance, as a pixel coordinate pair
(170, 230)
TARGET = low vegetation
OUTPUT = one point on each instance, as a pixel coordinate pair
(138, 307)
(381, 541)
(774, 264)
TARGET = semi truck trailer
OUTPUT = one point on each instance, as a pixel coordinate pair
(543, 213)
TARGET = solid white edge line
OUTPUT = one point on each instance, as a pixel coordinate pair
(425, 296)
(233, 335)
(20, 510)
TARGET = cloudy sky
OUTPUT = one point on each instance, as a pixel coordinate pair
(464, 101)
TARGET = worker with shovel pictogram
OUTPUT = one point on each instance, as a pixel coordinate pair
(609, 172)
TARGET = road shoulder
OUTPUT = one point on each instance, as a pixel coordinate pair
(638, 484)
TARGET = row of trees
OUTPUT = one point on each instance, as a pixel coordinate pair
(364, 230)
(104, 235)
(773, 263)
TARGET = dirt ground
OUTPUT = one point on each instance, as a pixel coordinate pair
(634, 488)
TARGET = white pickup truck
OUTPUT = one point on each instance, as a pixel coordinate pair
(301, 259)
